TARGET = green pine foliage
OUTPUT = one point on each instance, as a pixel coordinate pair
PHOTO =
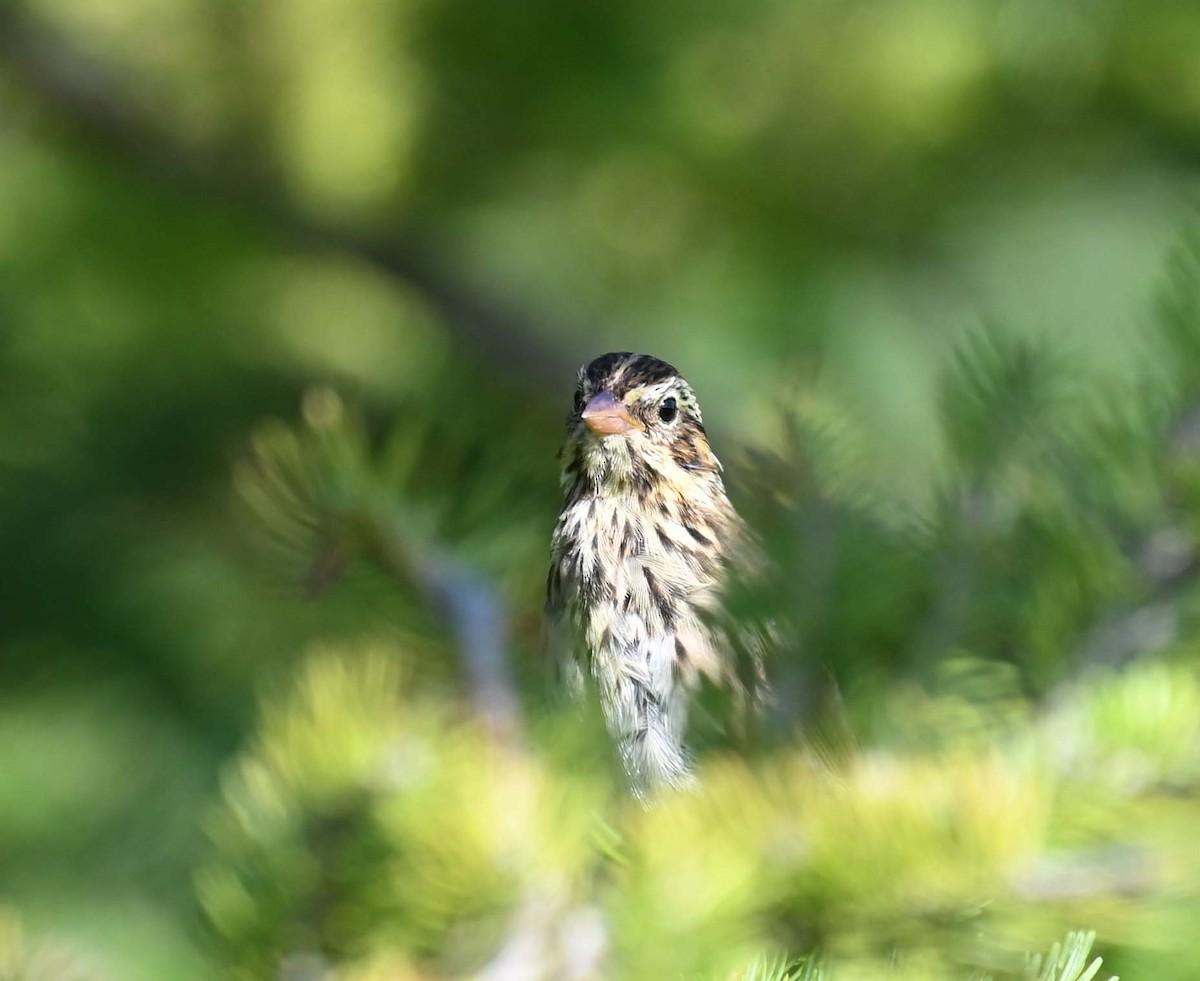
(1066, 961)
(370, 824)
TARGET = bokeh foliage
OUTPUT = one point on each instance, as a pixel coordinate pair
(930, 266)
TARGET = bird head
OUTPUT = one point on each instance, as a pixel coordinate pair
(635, 423)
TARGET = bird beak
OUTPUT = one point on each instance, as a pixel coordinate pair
(605, 415)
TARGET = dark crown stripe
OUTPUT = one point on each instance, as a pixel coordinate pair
(622, 370)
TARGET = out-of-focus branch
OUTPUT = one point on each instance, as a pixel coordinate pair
(315, 498)
(472, 610)
(1167, 559)
(82, 95)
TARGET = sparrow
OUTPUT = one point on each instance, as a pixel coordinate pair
(638, 560)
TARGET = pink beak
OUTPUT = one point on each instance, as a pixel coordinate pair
(605, 415)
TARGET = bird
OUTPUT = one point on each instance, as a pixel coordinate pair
(639, 557)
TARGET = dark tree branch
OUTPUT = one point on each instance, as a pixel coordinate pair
(83, 96)
(471, 608)
(1166, 559)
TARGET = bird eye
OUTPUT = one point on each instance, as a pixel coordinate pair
(668, 409)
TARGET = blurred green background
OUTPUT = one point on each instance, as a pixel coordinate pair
(439, 210)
